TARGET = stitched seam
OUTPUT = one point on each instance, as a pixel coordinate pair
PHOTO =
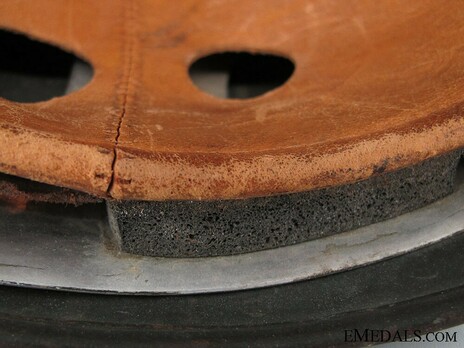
(126, 80)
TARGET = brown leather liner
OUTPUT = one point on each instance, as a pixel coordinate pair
(377, 83)
(17, 193)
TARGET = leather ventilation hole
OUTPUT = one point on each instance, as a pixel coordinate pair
(240, 75)
(33, 71)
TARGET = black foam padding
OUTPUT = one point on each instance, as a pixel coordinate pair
(226, 227)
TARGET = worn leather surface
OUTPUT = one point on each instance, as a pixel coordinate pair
(378, 85)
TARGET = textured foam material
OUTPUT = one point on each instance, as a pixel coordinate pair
(225, 227)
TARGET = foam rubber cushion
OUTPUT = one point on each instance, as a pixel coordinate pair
(225, 227)
(376, 84)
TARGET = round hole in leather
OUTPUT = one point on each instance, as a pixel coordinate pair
(377, 84)
(240, 75)
(32, 71)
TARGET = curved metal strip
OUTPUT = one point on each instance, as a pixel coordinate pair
(69, 253)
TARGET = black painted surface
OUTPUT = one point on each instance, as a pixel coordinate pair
(420, 290)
